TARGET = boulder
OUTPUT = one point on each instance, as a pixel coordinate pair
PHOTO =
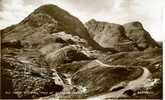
(119, 86)
(129, 92)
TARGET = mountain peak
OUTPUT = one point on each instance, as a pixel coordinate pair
(136, 32)
(49, 19)
(133, 25)
(53, 11)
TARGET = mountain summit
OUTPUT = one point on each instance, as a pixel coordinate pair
(46, 20)
(136, 32)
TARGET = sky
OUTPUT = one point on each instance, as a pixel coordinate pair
(150, 13)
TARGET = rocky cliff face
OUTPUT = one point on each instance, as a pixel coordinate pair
(127, 37)
(51, 54)
(136, 32)
(110, 35)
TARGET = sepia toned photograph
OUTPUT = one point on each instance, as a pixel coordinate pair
(81, 49)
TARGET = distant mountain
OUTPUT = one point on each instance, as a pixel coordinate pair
(110, 35)
(127, 37)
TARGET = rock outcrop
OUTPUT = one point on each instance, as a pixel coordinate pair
(65, 55)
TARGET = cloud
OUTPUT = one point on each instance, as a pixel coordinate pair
(149, 12)
(92, 6)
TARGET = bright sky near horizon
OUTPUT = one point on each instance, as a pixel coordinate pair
(150, 12)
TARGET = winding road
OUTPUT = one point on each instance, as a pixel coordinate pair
(139, 82)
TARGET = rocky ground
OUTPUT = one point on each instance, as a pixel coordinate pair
(52, 54)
